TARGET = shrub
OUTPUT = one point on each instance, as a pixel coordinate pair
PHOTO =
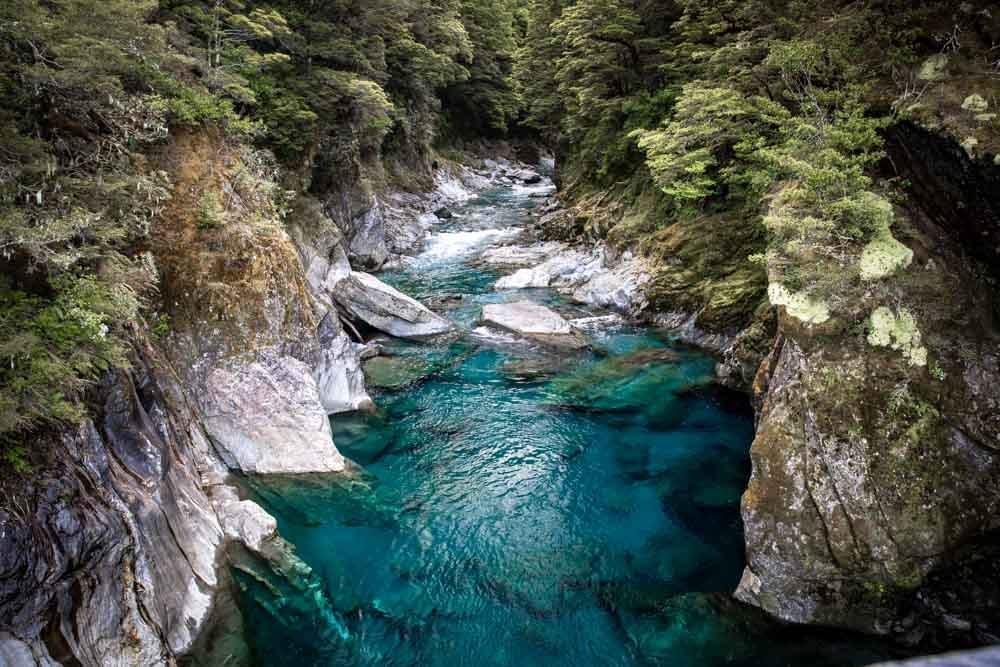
(52, 347)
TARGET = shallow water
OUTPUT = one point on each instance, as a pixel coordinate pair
(517, 506)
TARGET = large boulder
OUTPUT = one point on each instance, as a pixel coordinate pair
(266, 417)
(535, 321)
(365, 297)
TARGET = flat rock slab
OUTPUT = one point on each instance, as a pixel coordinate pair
(534, 321)
(387, 309)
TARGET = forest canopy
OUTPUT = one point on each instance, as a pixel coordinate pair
(772, 109)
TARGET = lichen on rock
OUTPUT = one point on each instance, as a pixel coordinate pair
(800, 306)
(884, 256)
(898, 331)
(934, 68)
(976, 103)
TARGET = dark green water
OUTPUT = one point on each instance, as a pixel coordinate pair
(520, 507)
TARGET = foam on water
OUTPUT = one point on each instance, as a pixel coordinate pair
(462, 244)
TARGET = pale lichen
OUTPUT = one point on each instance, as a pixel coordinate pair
(898, 331)
(884, 256)
(798, 305)
(934, 68)
(970, 144)
(976, 103)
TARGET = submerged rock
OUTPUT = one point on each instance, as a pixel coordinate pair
(647, 381)
(266, 417)
(385, 308)
(534, 321)
(396, 372)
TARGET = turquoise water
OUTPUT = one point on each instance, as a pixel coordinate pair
(518, 506)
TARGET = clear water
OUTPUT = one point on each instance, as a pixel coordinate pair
(519, 506)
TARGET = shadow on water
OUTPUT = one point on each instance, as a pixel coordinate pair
(515, 506)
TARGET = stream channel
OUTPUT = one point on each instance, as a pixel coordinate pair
(518, 505)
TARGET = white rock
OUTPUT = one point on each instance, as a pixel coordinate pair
(525, 278)
(621, 289)
(521, 256)
(245, 521)
(584, 275)
(339, 376)
(535, 321)
(598, 323)
(266, 417)
(370, 300)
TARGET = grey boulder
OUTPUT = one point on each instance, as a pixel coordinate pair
(265, 417)
(365, 297)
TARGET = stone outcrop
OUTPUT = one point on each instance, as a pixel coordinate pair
(876, 464)
(337, 362)
(596, 276)
(109, 550)
(265, 417)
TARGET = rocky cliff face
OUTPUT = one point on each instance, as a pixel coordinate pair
(877, 457)
(110, 551)
(875, 492)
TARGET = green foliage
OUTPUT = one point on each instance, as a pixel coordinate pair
(77, 104)
(590, 72)
(711, 130)
(16, 457)
(52, 347)
(211, 215)
(486, 101)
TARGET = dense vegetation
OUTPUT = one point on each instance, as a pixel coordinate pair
(766, 110)
(91, 89)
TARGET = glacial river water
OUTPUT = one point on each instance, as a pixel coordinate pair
(515, 506)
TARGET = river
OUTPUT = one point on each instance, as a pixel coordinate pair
(515, 505)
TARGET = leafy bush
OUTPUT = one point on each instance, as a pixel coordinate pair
(51, 348)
